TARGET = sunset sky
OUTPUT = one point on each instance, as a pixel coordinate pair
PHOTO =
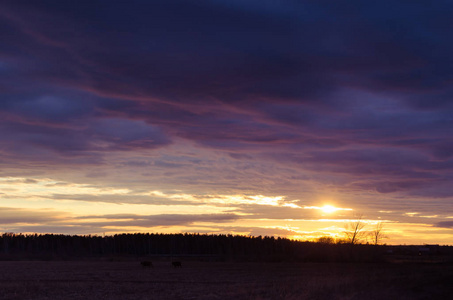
(227, 116)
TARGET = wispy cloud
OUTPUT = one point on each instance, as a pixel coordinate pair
(257, 106)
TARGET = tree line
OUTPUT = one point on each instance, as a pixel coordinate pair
(185, 246)
(145, 244)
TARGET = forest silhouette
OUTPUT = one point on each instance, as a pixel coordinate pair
(155, 246)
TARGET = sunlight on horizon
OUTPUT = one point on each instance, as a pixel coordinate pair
(49, 205)
(329, 208)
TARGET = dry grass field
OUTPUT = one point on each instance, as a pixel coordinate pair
(216, 280)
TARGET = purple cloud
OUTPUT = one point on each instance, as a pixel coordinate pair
(231, 97)
(445, 224)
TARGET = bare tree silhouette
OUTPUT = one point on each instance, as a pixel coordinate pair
(377, 234)
(354, 230)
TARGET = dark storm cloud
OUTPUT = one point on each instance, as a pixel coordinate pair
(349, 88)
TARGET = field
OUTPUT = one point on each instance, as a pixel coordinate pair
(223, 280)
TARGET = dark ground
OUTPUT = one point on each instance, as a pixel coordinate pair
(223, 280)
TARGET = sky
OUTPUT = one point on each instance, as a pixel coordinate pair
(227, 117)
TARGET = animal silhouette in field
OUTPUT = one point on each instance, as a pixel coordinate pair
(146, 264)
(177, 264)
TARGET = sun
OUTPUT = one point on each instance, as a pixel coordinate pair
(328, 209)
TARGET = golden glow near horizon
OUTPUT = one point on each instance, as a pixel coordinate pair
(224, 139)
(46, 205)
(329, 208)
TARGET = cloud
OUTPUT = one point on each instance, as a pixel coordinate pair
(158, 220)
(41, 220)
(445, 224)
(10, 215)
(123, 199)
(231, 97)
(54, 145)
